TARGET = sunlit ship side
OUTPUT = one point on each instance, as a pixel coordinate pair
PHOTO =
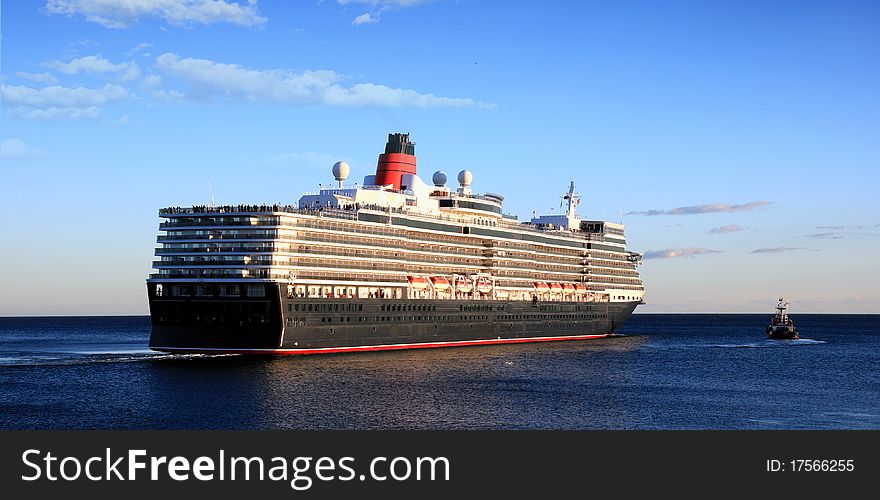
(392, 264)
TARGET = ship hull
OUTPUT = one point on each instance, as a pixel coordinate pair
(278, 325)
(782, 333)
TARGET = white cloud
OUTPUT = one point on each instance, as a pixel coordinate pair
(671, 253)
(383, 3)
(56, 102)
(167, 95)
(365, 18)
(47, 78)
(60, 96)
(56, 113)
(705, 209)
(208, 79)
(379, 7)
(97, 64)
(151, 81)
(141, 47)
(18, 149)
(121, 14)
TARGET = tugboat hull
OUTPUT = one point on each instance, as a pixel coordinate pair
(782, 333)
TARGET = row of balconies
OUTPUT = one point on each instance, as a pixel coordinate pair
(222, 236)
(219, 235)
(373, 266)
(225, 249)
(388, 244)
(199, 223)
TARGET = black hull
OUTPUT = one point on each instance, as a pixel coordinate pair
(275, 325)
(782, 333)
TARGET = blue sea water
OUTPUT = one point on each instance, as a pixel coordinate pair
(669, 371)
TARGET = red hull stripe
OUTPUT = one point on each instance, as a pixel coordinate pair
(387, 347)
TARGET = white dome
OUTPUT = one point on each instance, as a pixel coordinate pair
(465, 177)
(439, 178)
(341, 170)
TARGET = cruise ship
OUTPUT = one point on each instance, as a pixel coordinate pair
(395, 263)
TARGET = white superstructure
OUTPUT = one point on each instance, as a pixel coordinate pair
(398, 236)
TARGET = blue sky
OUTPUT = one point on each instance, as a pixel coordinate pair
(738, 141)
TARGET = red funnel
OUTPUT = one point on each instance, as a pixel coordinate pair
(398, 159)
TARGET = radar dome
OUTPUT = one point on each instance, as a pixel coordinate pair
(341, 170)
(439, 178)
(465, 177)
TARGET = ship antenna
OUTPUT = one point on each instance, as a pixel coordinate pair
(211, 191)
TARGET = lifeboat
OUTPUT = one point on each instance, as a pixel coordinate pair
(580, 289)
(417, 282)
(440, 283)
(568, 288)
(484, 285)
(555, 288)
(462, 284)
(541, 287)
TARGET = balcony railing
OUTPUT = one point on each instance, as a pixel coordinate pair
(199, 223)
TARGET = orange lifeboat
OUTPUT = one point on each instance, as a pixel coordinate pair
(555, 288)
(463, 284)
(541, 287)
(440, 283)
(580, 289)
(417, 282)
(484, 285)
(568, 288)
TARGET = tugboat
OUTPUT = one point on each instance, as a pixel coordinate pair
(781, 326)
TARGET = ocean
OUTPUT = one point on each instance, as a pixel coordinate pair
(668, 371)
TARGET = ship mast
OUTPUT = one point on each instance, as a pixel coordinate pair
(573, 200)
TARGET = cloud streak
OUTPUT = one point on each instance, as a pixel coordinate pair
(119, 15)
(704, 209)
(379, 7)
(213, 80)
(57, 102)
(54, 113)
(778, 250)
(97, 65)
(60, 96)
(671, 253)
(730, 228)
(830, 235)
(46, 78)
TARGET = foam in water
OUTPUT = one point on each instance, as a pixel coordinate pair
(60, 359)
(773, 343)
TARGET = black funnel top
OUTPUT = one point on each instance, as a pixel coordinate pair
(400, 143)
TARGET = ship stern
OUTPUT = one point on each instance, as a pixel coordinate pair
(214, 317)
